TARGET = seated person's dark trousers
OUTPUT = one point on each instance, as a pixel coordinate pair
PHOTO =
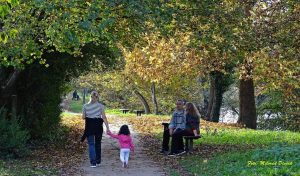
(177, 140)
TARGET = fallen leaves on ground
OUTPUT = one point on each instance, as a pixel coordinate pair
(149, 127)
(62, 157)
(66, 158)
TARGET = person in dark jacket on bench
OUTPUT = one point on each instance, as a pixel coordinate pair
(177, 123)
(192, 128)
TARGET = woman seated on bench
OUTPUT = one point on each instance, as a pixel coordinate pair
(192, 128)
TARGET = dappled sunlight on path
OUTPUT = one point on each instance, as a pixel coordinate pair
(139, 163)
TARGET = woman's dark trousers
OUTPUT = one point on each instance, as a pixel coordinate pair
(94, 142)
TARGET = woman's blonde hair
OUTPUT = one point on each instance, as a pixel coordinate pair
(94, 93)
(191, 109)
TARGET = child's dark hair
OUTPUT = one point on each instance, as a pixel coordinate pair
(124, 130)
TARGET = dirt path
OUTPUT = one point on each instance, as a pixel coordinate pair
(139, 163)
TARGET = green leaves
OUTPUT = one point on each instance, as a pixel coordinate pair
(66, 26)
(6, 6)
(3, 37)
(4, 10)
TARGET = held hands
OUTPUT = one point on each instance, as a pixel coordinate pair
(108, 132)
(197, 135)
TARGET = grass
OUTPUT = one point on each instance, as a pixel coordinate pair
(275, 160)
(227, 149)
(76, 106)
(248, 137)
(118, 112)
(279, 147)
(220, 134)
(173, 172)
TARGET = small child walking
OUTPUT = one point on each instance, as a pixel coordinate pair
(126, 144)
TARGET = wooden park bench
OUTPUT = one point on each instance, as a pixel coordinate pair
(189, 140)
(166, 125)
(124, 110)
(139, 112)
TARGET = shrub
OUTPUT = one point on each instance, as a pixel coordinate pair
(277, 112)
(13, 137)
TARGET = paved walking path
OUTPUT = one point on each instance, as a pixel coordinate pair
(139, 163)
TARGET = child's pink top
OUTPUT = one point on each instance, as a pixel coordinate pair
(125, 141)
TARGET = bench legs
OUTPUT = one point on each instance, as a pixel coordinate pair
(139, 113)
(188, 145)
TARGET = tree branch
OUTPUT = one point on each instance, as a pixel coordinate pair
(11, 81)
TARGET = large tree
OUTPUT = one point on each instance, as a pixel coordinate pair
(242, 33)
(163, 62)
(42, 37)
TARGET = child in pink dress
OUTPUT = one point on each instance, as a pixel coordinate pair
(125, 142)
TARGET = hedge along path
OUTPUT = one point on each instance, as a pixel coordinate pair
(139, 163)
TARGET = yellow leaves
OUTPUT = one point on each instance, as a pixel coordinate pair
(218, 38)
(172, 41)
(88, 3)
(161, 59)
(275, 71)
(205, 27)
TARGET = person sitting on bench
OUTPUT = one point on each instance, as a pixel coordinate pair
(192, 128)
(177, 123)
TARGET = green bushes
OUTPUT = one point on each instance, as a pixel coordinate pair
(283, 113)
(39, 89)
(13, 137)
(57, 135)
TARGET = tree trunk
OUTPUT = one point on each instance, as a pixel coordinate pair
(8, 99)
(153, 95)
(247, 115)
(205, 99)
(218, 96)
(211, 98)
(205, 95)
(83, 96)
(7, 89)
(144, 101)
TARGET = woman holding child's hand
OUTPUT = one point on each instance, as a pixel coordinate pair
(94, 116)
